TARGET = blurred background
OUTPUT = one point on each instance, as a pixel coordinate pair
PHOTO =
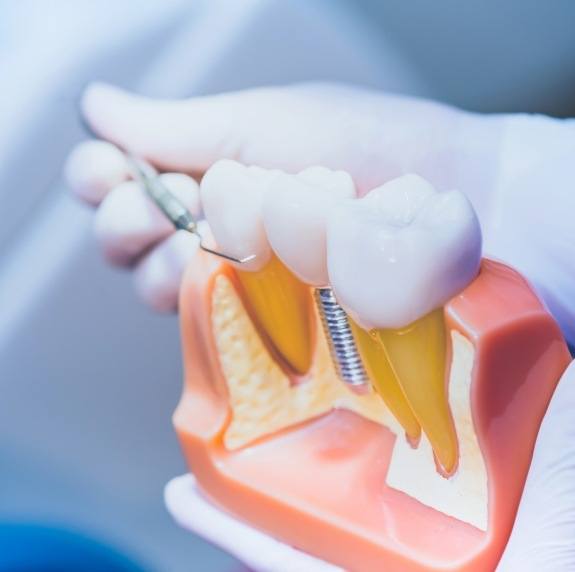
(88, 376)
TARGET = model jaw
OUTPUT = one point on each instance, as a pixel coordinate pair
(394, 257)
(318, 467)
(264, 403)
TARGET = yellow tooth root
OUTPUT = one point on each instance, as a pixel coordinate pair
(417, 354)
(384, 380)
(280, 305)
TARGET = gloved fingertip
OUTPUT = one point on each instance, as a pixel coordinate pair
(93, 168)
(127, 224)
(162, 300)
(158, 276)
(186, 189)
(156, 286)
(102, 105)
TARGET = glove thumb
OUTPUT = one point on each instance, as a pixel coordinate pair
(544, 531)
(176, 135)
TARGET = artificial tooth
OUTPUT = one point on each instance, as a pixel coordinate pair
(395, 257)
(277, 301)
(295, 219)
(232, 196)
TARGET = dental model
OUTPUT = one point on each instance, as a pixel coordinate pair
(424, 469)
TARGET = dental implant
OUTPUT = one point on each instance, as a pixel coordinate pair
(343, 349)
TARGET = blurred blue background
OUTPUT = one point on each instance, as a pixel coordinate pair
(86, 443)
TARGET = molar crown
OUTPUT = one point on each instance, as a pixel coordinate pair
(401, 251)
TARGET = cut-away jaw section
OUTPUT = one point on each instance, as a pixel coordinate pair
(331, 472)
(425, 471)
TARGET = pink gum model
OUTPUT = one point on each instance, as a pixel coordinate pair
(320, 486)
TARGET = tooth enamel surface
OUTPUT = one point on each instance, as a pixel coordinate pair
(401, 251)
(232, 196)
(338, 182)
(295, 212)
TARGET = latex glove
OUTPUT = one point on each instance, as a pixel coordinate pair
(254, 548)
(131, 230)
(543, 537)
(517, 170)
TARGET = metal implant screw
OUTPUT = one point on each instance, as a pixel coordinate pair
(344, 353)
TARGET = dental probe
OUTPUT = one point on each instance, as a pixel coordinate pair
(172, 207)
(342, 347)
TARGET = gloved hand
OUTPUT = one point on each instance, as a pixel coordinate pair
(255, 549)
(517, 170)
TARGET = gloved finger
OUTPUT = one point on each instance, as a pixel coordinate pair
(374, 137)
(542, 538)
(128, 223)
(93, 168)
(159, 274)
(260, 552)
(185, 135)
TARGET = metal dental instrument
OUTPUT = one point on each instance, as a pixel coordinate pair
(345, 356)
(171, 206)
